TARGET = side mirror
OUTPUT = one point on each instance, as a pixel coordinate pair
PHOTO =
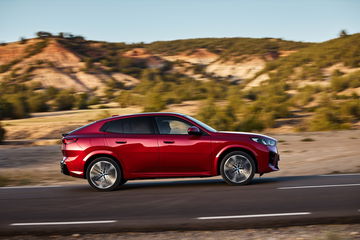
(193, 130)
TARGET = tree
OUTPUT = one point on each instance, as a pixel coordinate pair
(42, 34)
(23, 40)
(343, 33)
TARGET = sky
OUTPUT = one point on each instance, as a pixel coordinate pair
(151, 20)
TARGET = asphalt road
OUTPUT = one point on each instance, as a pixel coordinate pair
(181, 205)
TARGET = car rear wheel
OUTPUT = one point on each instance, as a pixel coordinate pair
(104, 174)
(237, 168)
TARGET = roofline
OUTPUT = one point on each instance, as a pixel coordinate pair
(145, 114)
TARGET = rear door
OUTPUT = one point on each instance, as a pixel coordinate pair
(135, 142)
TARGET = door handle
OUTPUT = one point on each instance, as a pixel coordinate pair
(121, 142)
(169, 142)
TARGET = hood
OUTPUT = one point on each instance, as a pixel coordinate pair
(247, 133)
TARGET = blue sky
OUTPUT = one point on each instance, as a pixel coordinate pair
(151, 20)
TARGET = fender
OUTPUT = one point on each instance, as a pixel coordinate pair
(217, 157)
(107, 152)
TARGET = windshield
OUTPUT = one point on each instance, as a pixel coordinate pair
(207, 127)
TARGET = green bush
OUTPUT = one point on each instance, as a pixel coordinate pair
(223, 119)
(154, 102)
(250, 123)
(38, 103)
(20, 108)
(6, 109)
(82, 101)
(64, 100)
(334, 116)
(2, 133)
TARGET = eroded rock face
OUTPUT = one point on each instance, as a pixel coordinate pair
(243, 70)
(197, 56)
(58, 67)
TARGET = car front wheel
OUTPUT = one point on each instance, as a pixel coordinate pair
(104, 174)
(237, 168)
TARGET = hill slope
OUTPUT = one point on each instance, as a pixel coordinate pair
(262, 82)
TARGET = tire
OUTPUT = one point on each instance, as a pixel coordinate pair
(237, 168)
(104, 174)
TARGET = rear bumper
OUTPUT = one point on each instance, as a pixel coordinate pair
(64, 169)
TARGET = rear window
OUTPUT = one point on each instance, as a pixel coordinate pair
(136, 125)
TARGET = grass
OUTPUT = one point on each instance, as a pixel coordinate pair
(4, 181)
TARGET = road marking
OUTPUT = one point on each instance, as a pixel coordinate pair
(29, 187)
(340, 174)
(62, 223)
(255, 215)
(321, 186)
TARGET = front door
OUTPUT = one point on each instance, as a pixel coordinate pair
(180, 153)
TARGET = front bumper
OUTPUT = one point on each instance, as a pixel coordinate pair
(274, 159)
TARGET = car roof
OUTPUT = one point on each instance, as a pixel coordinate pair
(146, 114)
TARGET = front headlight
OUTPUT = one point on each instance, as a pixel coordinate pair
(265, 141)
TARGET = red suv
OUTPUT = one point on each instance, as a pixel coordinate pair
(111, 151)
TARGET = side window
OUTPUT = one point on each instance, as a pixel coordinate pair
(115, 126)
(172, 125)
(138, 125)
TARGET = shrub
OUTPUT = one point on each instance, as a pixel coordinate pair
(154, 102)
(6, 109)
(327, 118)
(216, 117)
(307, 140)
(64, 100)
(2, 133)
(250, 122)
(37, 103)
(82, 101)
(20, 107)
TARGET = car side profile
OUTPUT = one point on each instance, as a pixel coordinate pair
(111, 151)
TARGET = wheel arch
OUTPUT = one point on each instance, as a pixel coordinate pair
(91, 157)
(229, 149)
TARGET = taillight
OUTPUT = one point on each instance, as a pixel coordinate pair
(69, 140)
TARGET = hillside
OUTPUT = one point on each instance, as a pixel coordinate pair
(255, 83)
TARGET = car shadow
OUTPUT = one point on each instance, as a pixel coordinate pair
(259, 181)
(197, 183)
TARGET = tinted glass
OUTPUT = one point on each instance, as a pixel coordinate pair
(138, 125)
(172, 125)
(113, 126)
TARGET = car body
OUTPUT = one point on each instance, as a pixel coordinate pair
(163, 145)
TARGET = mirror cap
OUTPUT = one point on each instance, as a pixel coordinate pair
(193, 130)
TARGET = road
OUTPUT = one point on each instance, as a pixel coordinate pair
(181, 205)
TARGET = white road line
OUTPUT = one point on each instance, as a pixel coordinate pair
(29, 187)
(62, 223)
(321, 186)
(340, 174)
(255, 215)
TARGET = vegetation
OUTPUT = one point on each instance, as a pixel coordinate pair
(226, 105)
(2, 133)
(226, 47)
